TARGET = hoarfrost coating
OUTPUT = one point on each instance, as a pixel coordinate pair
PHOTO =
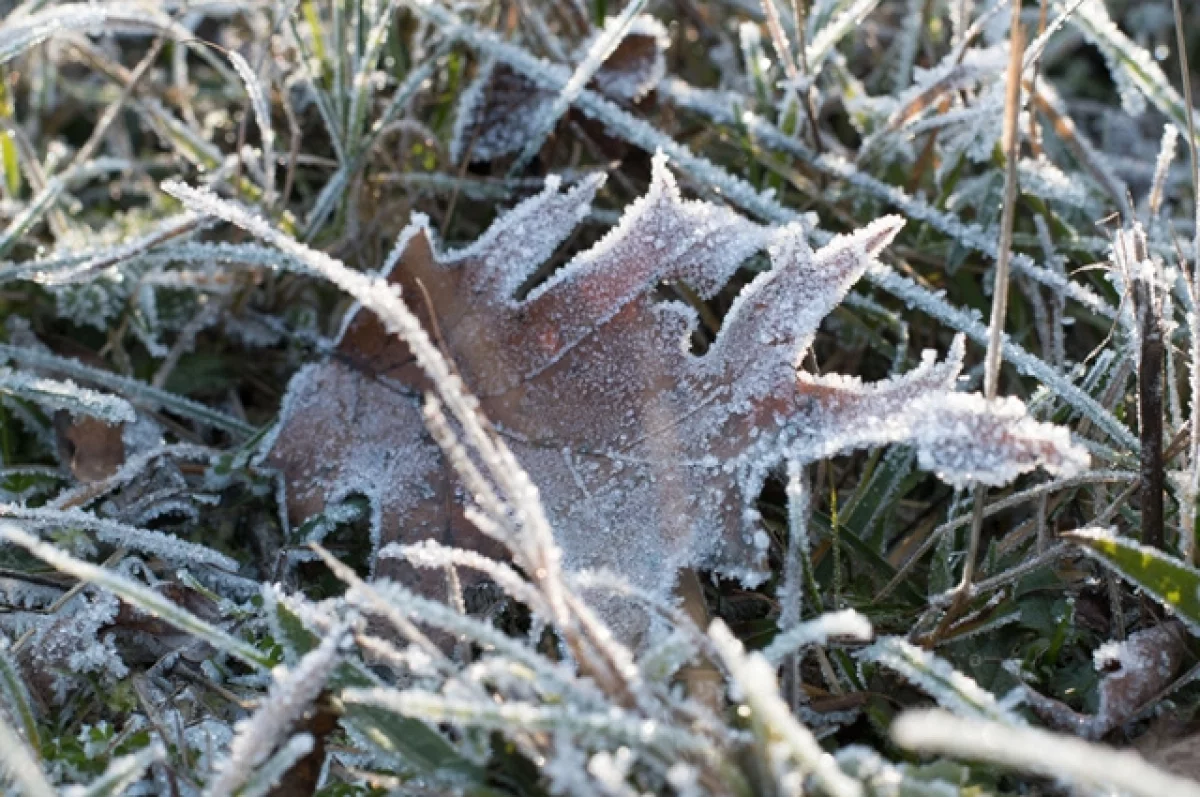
(647, 457)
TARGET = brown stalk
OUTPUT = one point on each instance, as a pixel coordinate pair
(1188, 532)
(991, 374)
(1150, 401)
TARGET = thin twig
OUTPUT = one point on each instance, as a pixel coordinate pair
(1188, 532)
(1150, 398)
(991, 373)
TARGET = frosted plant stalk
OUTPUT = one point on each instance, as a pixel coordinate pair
(991, 367)
(791, 593)
(292, 693)
(754, 679)
(845, 623)
(1162, 167)
(137, 594)
(18, 761)
(1039, 752)
(431, 554)
(604, 45)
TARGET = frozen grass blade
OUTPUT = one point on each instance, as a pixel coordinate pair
(140, 596)
(753, 679)
(55, 395)
(20, 33)
(1039, 752)
(1132, 64)
(847, 623)
(16, 695)
(613, 725)
(42, 202)
(258, 102)
(292, 694)
(608, 40)
(22, 768)
(937, 677)
(826, 39)
(362, 84)
(1172, 582)
(148, 541)
(121, 774)
(268, 776)
(134, 390)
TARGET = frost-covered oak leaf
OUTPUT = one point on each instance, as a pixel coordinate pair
(648, 457)
(501, 108)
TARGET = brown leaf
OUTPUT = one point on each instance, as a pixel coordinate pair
(500, 108)
(648, 458)
(93, 449)
(1137, 670)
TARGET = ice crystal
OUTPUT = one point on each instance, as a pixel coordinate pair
(73, 645)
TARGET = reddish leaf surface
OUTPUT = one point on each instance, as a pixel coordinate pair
(648, 457)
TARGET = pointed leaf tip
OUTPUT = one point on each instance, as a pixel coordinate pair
(1172, 582)
(879, 234)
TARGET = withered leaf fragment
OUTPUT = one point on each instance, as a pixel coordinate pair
(1136, 671)
(648, 458)
(500, 109)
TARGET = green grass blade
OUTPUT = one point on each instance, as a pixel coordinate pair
(409, 739)
(12, 685)
(18, 762)
(1170, 581)
(122, 773)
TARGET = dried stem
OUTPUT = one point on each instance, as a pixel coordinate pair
(1150, 398)
(991, 373)
(1188, 532)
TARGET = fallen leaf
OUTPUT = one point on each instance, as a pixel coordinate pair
(648, 458)
(1136, 670)
(92, 448)
(500, 109)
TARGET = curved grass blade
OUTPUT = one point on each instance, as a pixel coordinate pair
(1170, 581)
(136, 594)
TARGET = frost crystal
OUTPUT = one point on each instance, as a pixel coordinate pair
(72, 645)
